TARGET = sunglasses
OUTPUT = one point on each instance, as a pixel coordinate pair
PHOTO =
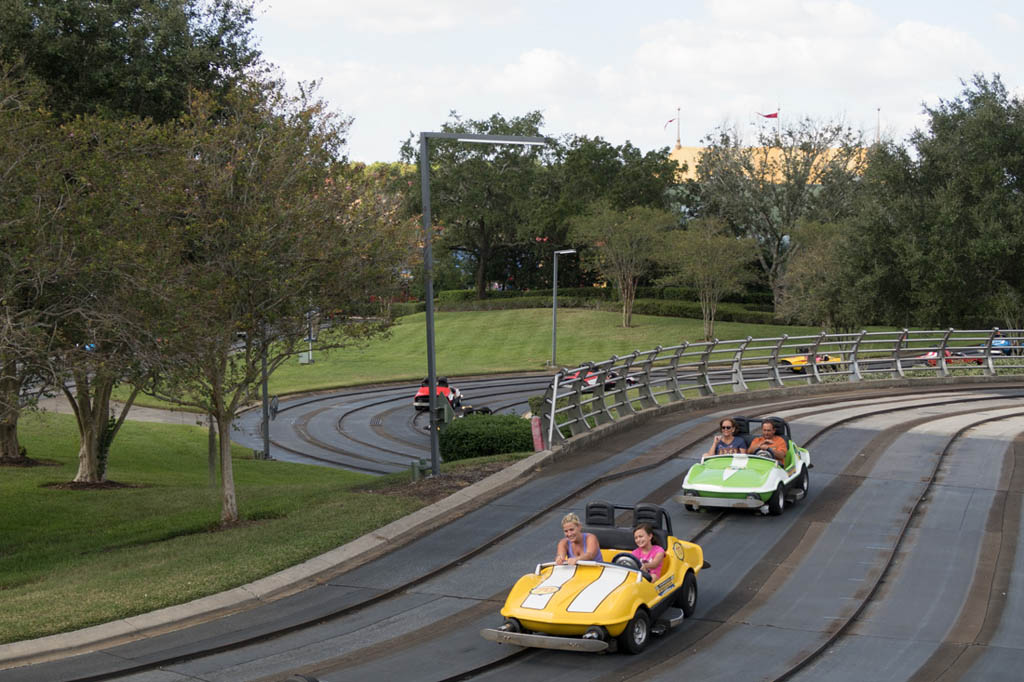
(728, 428)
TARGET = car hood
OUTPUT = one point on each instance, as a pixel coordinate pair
(583, 593)
(738, 471)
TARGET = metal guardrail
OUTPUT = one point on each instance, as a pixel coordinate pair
(581, 398)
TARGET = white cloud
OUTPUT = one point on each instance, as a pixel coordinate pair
(620, 72)
(388, 17)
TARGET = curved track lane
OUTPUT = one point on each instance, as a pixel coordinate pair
(902, 563)
(373, 430)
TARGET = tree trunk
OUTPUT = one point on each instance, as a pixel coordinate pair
(628, 293)
(483, 255)
(88, 435)
(211, 455)
(91, 404)
(229, 505)
(10, 449)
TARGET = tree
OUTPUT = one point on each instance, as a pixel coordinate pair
(480, 193)
(805, 171)
(33, 249)
(709, 258)
(120, 226)
(939, 235)
(129, 57)
(625, 244)
(273, 227)
(815, 287)
(579, 171)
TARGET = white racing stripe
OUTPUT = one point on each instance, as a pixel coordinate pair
(541, 595)
(593, 594)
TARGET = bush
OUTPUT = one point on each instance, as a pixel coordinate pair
(478, 435)
(410, 308)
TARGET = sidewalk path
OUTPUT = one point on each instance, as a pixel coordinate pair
(138, 413)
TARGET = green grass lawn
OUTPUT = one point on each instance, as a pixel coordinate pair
(491, 342)
(73, 558)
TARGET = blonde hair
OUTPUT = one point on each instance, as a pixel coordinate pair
(571, 518)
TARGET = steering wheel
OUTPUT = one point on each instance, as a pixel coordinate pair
(628, 560)
(765, 453)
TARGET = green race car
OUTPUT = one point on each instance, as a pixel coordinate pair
(749, 481)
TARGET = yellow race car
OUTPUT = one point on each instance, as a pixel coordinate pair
(607, 604)
(798, 363)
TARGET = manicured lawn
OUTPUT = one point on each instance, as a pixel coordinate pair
(491, 342)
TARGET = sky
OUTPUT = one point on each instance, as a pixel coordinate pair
(622, 70)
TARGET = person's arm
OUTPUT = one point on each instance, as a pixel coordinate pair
(591, 549)
(780, 450)
(562, 551)
(714, 445)
(754, 445)
(655, 561)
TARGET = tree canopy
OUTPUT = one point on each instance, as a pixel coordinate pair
(129, 57)
(807, 170)
(955, 212)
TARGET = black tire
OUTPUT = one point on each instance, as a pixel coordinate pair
(692, 507)
(777, 502)
(512, 625)
(686, 598)
(804, 482)
(637, 634)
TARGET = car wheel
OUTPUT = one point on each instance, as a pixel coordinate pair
(805, 481)
(687, 599)
(636, 635)
(777, 502)
(511, 625)
(692, 507)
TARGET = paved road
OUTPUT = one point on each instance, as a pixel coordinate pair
(373, 430)
(902, 563)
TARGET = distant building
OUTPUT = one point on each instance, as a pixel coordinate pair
(691, 155)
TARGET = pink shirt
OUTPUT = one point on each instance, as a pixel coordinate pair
(655, 572)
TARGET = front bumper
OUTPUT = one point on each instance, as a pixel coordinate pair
(727, 502)
(544, 641)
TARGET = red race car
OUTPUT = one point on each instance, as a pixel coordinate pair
(931, 358)
(421, 401)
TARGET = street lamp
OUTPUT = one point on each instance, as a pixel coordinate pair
(554, 302)
(428, 262)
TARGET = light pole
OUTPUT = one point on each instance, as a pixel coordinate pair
(428, 262)
(554, 303)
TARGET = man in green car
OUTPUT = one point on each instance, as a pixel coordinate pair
(768, 440)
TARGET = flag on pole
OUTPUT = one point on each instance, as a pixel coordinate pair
(671, 120)
(774, 114)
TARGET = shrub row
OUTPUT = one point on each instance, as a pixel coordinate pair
(465, 295)
(410, 308)
(761, 299)
(478, 435)
(727, 312)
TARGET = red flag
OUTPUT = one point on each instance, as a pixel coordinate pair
(671, 120)
(774, 114)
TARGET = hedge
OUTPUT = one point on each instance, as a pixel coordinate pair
(478, 435)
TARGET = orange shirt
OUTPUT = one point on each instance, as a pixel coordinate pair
(777, 445)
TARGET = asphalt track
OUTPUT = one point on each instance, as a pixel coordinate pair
(903, 563)
(373, 430)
